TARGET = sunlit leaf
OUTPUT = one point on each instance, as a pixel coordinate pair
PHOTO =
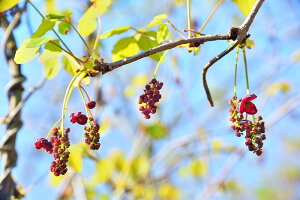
(64, 27)
(124, 48)
(140, 80)
(102, 6)
(55, 180)
(157, 20)
(198, 168)
(168, 192)
(250, 44)
(129, 91)
(51, 67)
(157, 131)
(115, 31)
(104, 126)
(25, 54)
(87, 24)
(35, 42)
(296, 56)
(70, 65)
(266, 193)
(278, 87)
(118, 159)
(44, 27)
(75, 159)
(216, 145)
(143, 192)
(7, 4)
(146, 43)
(245, 5)
(104, 170)
(162, 32)
(140, 166)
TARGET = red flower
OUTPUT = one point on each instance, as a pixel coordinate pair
(78, 118)
(91, 104)
(247, 106)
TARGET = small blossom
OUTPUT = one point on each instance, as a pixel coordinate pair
(78, 118)
(247, 106)
(91, 104)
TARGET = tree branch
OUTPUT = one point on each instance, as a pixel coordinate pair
(241, 34)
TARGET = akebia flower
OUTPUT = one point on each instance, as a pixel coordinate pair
(78, 118)
(246, 105)
(43, 143)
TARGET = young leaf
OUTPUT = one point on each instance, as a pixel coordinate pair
(157, 131)
(51, 63)
(44, 27)
(245, 5)
(57, 17)
(7, 4)
(52, 47)
(76, 157)
(87, 24)
(124, 48)
(35, 42)
(102, 6)
(157, 20)
(115, 32)
(145, 43)
(25, 54)
(70, 65)
(63, 28)
(162, 32)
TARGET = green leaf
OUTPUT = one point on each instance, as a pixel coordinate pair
(266, 193)
(25, 54)
(145, 43)
(157, 20)
(87, 24)
(124, 48)
(7, 4)
(35, 42)
(157, 131)
(57, 17)
(44, 27)
(245, 5)
(162, 32)
(115, 32)
(54, 48)
(70, 65)
(198, 168)
(63, 28)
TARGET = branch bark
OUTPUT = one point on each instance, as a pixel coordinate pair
(8, 153)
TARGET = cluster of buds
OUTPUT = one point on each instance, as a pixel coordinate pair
(150, 97)
(254, 130)
(92, 136)
(61, 155)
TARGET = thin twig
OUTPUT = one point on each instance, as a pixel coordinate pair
(243, 29)
(201, 39)
(176, 29)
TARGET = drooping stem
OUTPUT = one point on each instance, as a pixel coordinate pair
(87, 110)
(85, 93)
(235, 70)
(37, 10)
(210, 16)
(188, 5)
(67, 97)
(49, 133)
(159, 62)
(246, 71)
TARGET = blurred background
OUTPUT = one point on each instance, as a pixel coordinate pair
(187, 149)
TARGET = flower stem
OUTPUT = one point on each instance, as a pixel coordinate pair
(246, 71)
(188, 5)
(67, 97)
(49, 133)
(235, 70)
(87, 110)
(98, 33)
(159, 62)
